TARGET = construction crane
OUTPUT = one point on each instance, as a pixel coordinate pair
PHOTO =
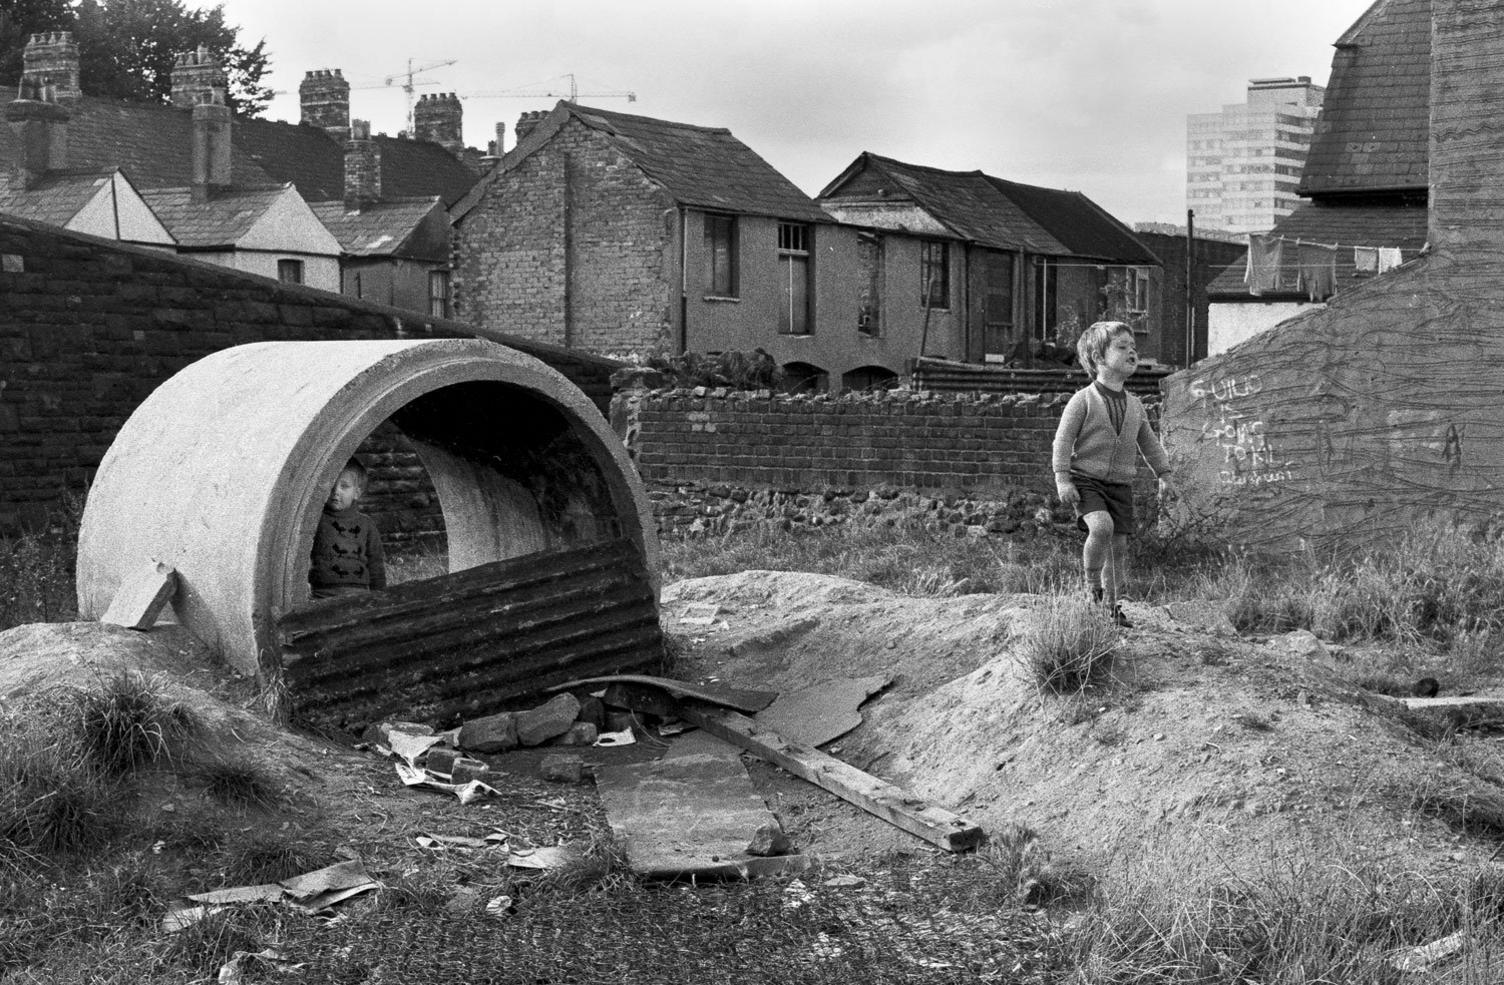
(408, 85)
(573, 95)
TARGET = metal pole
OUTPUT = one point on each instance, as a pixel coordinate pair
(1190, 291)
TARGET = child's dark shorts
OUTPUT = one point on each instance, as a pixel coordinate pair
(1114, 497)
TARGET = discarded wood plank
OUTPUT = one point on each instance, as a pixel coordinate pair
(741, 699)
(1461, 711)
(878, 797)
(140, 599)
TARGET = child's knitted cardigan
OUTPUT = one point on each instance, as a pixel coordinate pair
(1085, 441)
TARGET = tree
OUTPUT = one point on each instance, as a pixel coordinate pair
(127, 47)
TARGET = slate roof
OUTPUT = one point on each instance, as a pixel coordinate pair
(1373, 133)
(701, 167)
(381, 229)
(218, 222)
(153, 142)
(1345, 225)
(992, 212)
(55, 200)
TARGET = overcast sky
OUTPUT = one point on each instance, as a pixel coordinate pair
(1089, 95)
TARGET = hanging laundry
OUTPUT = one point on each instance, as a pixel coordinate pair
(1265, 254)
(1316, 265)
(1366, 259)
(1389, 258)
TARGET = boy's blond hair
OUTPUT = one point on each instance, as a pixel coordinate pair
(1091, 347)
(362, 476)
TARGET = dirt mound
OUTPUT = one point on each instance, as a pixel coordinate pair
(1232, 749)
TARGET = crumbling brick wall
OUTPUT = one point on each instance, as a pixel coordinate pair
(88, 328)
(573, 247)
(715, 459)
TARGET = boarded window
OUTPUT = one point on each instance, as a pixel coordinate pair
(720, 256)
(934, 274)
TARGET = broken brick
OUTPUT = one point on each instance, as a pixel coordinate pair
(769, 839)
(537, 725)
(493, 733)
(579, 734)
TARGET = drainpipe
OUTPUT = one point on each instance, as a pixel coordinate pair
(683, 280)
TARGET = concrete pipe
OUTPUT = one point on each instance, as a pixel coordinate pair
(222, 472)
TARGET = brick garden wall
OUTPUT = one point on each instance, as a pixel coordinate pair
(88, 328)
(715, 460)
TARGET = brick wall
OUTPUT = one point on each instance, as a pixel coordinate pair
(88, 328)
(573, 246)
(715, 459)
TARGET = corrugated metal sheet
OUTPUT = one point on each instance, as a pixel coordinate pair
(467, 643)
(953, 377)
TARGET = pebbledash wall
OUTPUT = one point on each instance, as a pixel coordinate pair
(717, 460)
(89, 327)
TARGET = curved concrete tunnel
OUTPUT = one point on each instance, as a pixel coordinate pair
(222, 472)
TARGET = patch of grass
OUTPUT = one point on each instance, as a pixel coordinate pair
(904, 559)
(1308, 920)
(1069, 645)
(1027, 874)
(36, 570)
(50, 800)
(425, 559)
(239, 785)
(126, 722)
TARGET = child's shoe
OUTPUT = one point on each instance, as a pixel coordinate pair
(1096, 593)
(1118, 618)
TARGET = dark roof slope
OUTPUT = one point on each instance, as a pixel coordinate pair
(56, 199)
(1345, 225)
(153, 143)
(702, 167)
(219, 222)
(1374, 129)
(1004, 215)
(383, 229)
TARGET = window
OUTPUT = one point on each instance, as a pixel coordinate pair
(438, 293)
(290, 271)
(720, 256)
(793, 278)
(934, 274)
(1137, 294)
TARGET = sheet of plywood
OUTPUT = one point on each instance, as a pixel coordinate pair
(822, 712)
(690, 813)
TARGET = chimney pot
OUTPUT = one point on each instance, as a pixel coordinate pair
(324, 98)
(51, 59)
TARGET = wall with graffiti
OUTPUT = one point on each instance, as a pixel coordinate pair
(1343, 427)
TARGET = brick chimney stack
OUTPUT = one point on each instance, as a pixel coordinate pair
(362, 168)
(1467, 126)
(440, 118)
(41, 128)
(195, 72)
(324, 96)
(50, 60)
(527, 121)
(211, 145)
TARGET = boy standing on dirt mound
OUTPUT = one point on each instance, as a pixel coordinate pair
(1101, 434)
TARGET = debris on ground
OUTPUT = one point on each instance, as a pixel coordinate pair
(312, 892)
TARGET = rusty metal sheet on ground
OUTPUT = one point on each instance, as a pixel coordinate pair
(738, 698)
(822, 712)
(690, 813)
